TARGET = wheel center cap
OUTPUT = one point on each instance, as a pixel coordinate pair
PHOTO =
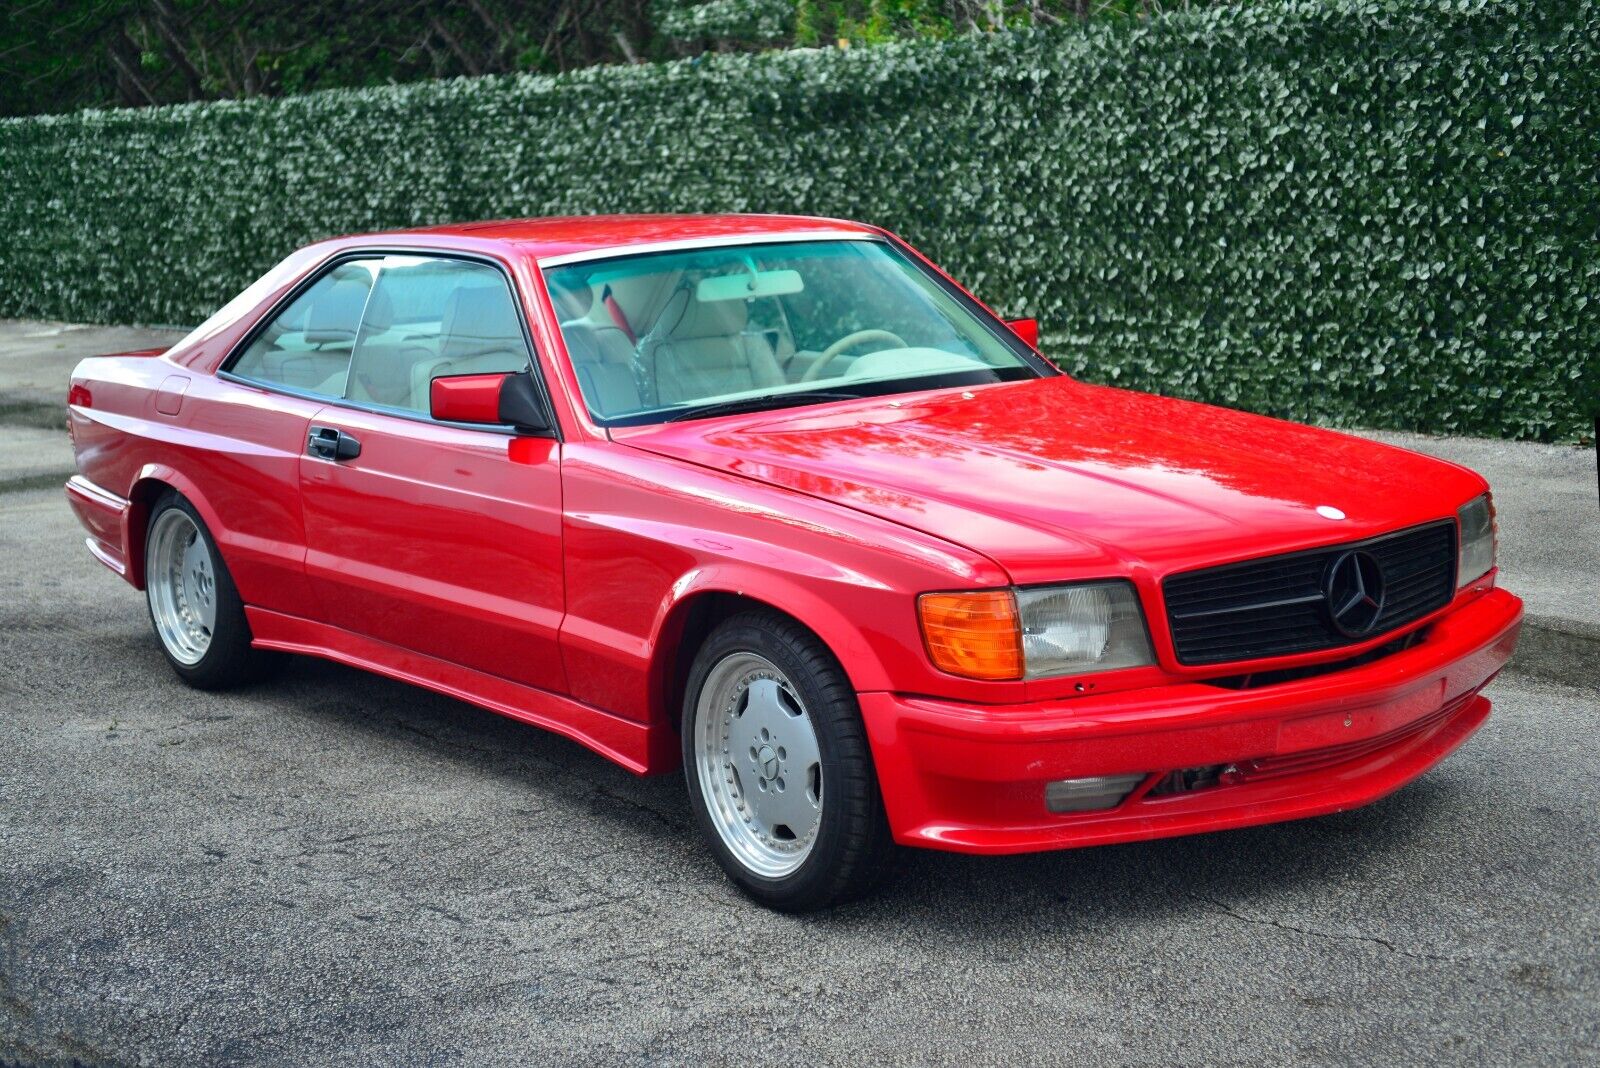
(767, 761)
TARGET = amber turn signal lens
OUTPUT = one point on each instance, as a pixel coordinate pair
(974, 635)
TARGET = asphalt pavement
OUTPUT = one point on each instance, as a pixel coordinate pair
(331, 868)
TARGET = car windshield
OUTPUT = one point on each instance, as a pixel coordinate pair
(699, 332)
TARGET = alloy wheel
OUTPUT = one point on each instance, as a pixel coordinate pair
(181, 580)
(759, 765)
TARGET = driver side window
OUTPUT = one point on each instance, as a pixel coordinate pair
(430, 317)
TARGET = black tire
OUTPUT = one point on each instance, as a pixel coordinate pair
(228, 660)
(852, 849)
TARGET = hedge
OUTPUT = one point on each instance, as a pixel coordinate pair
(1357, 212)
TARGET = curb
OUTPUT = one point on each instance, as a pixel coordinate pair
(1558, 650)
(34, 480)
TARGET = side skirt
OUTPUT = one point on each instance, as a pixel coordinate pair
(645, 749)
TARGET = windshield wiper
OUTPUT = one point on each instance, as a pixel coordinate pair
(759, 404)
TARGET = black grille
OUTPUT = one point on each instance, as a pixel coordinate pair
(1276, 606)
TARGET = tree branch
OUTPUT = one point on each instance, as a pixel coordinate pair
(121, 45)
(627, 47)
(449, 39)
(503, 34)
(175, 50)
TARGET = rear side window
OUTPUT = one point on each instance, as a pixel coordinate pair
(430, 317)
(308, 346)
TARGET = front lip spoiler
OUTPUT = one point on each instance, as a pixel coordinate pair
(1336, 788)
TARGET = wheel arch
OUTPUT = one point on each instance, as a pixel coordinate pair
(149, 485)
(702, 605)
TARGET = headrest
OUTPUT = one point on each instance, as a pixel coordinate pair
(478, 321)
(643, 297)
(336, 312)
(699, 319)
(573, 299)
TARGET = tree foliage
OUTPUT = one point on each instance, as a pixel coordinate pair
(59, 55)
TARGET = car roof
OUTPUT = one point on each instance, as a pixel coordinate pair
(549, 237)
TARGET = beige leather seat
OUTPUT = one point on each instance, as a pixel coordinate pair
(329, 327)
(602, 356)
(688, 349)
(380, 366)
(335, 312)
(707, 353)
(480, 335)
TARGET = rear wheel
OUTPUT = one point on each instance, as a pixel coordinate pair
(194, 608)
(780, 776)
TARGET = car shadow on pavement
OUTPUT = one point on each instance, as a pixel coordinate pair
(1220, 872)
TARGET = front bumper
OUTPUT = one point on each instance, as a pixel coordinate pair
(972, 778)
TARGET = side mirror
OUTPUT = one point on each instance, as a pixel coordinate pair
(493, 399)
(1026, 329)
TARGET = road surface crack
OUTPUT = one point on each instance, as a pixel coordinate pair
(1220, 907)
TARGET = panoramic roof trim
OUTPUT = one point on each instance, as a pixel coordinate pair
(775, 237)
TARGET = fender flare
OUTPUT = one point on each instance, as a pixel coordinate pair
(843, 636)
(137, 517)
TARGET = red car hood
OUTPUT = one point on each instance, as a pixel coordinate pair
(1054, 479)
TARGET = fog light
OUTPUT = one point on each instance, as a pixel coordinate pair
(1087, 795)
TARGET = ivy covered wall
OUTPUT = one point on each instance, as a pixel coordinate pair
(1357, 212)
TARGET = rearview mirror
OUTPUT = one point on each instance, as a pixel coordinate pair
(1026, 329)
(748, 285)
(492, 399)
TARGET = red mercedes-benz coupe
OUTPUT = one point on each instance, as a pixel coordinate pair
(775, 498)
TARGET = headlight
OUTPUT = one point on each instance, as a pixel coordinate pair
(1035, 632)
(1476, 519)
(1092, 626)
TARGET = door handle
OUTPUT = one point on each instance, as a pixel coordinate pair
(331, 443)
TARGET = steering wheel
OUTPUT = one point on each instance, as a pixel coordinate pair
(849, 341)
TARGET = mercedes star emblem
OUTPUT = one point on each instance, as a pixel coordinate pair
(1354, 592)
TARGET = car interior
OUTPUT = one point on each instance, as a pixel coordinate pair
(669, 331)
(694, 349)
(344, 337)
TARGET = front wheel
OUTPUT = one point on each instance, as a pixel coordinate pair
(780, 776)
(194, 608)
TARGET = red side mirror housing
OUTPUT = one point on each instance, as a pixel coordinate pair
(466, 398)
(1026, 329)
(496, 399)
